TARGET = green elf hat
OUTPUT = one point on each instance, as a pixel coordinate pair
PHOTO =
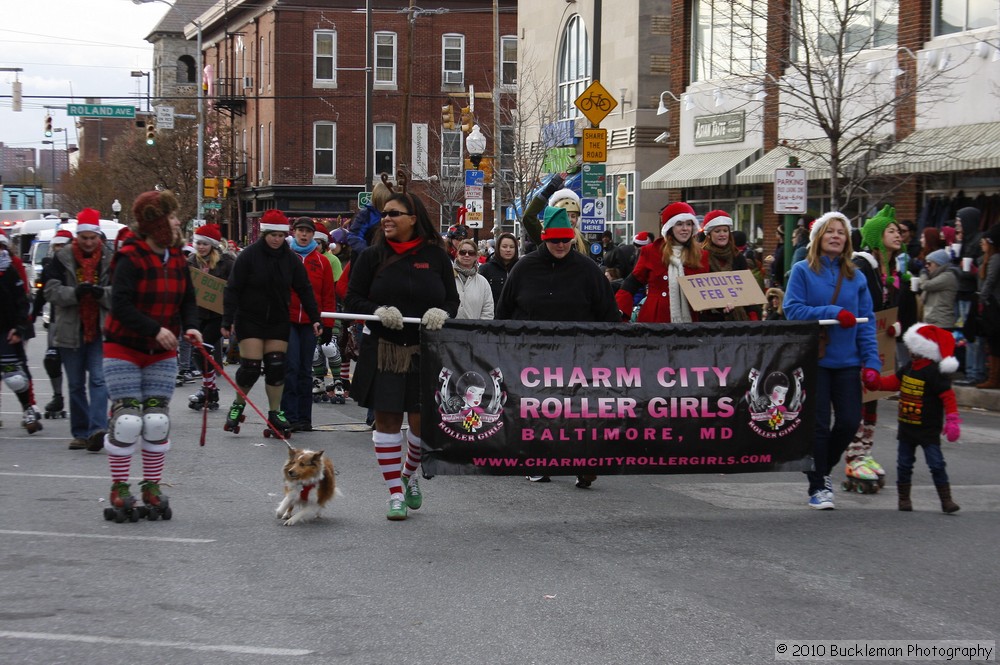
(556, 224)
(872, 230)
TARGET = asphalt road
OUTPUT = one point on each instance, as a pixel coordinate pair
(639, 569)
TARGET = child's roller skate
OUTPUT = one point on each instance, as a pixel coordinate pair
(860, 478)
(55, 408)
(204, 398)
(31, 420)
(121, 504)
(336, 392)
(279, 422)
(234, 418)
(155, 503)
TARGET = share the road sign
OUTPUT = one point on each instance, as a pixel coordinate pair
(100, 111)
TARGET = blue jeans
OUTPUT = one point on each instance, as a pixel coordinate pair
(296, 400)
(907, 454)
(975, 361)
(85, 376)
(838, 396)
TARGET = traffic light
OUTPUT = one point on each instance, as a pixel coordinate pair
(448, 117)
(150, 132)
(467, 121)
(226, 184)
(48, 125)
(210, 189)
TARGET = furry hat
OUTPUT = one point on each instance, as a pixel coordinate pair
(940, 257)
(715, 219)
(819, 226)
(152, 211)
(88, 220)
(933, 343)
(61, 237)
(556, 224)
(874, 228)
(209, 233)
(673, 213)
(273, 220)
(566, 198)
(642, 238)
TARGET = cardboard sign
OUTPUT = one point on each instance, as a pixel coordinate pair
(208, 290)
(886, 349)
(719, 289)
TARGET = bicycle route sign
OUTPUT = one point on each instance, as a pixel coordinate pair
(595, 103)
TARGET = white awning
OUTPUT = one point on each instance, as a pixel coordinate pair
(701, 169)
(959, 148)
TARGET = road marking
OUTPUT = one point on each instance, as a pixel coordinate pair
(96, 639)
(52, 475)
(105, 536)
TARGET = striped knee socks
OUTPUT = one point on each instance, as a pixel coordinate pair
(389, 453)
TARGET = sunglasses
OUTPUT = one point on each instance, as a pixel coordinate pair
(393, 214)
(559, 241)
(466, 252)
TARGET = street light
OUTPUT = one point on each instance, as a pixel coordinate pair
(475, 143)
(116, 208)
(139, 74)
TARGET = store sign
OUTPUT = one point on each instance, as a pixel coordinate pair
(720, 128)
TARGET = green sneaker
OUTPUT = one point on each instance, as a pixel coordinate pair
(414, 499)
(397, 508)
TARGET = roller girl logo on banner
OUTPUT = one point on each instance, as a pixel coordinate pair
(775, 402)
(463, 415)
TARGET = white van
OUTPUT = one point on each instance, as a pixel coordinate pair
(40, 246)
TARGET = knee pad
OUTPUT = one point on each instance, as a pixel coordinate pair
(274, 368)
(248, 372)
(155, 420)
(332, 353)
(15, 376)
(125, 426)
(52, 362)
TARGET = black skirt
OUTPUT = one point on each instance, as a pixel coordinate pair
(250, 329)
(384, 391)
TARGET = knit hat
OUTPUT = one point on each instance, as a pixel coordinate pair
(88, 220)
(740, 240)
(933, 343)
(152, 211)
(642, 238)
(819, 226)
(209, 233)
(556, 224)
(320, 232)
(304, 222)
(565, 198)
(673, 213)
(940, 257)
(61, 237)
(992, 235)
(715, 219)
(948, 233)
(273, 220)
(339, 236)
(872, 229)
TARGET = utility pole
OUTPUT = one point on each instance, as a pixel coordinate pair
(497, 142)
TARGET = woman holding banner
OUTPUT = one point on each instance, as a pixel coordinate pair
(827, 285)
(208, 258)
(721, 255)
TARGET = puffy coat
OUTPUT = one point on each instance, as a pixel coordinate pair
(475, 297)
(938, 291)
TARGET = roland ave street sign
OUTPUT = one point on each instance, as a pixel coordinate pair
(100, 111)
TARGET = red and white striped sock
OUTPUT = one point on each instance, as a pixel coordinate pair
(208, 378)
(152, 465)
(345, 370)
(120, 465)
(413, 447)
(389, 453)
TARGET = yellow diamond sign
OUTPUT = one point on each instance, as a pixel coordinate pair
(595, 103)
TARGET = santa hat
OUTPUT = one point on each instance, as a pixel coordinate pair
(673, 213)
(152, 211)
(273, 220)
(820, 224)
(209, 233)
(642, 238)
(556, 224)
(320, 231)
(88, 220)
(188, 249)
(61, 237)
(4, 240)
(124, 233)
(933, 343)
(565, 198)
(715, 219)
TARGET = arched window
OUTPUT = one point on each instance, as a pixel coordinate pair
(574, 67)
(185, 70)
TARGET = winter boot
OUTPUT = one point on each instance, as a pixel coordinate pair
(947, 505)
(905, 504)
(992, 381)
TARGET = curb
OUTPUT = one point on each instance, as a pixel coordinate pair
(977, 398)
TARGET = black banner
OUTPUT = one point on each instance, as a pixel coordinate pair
(548, 398)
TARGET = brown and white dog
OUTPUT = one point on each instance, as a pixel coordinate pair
(309, 483)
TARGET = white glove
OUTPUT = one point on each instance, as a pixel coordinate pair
(390, 317)
(434, 318)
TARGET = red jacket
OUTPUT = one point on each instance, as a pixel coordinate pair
(321, 277)
(651, 271)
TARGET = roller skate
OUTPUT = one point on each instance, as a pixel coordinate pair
(184, 377)
(31, 420)
(55, 408)
(319, 393)
(278, 421)
(877, 468)
(234, 418)
(336, 392)
(204, 398)
(155, 503)
(860, 478)
(121, 504)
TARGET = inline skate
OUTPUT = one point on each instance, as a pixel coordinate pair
(279, 422)
(204, 398)
(121, 504)
(31, 420)
(155, 503)
(235, 418)
(55, 408)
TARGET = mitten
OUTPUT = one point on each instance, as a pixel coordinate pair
(390, 317)
(434, 318)
(82, 290)
(952, 428)
(847, 320)
(327, 335)
(871, 378)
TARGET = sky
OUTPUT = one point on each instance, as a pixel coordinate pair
(74, 49)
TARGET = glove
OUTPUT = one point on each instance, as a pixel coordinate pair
(847, 320)
(390, 317)
(327, 335)
(434, 318)
(871, 378)
(82, 290)
(952, 429)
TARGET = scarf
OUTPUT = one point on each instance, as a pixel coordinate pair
(720, 259)
(465, 274)
(90, 308)
(404, 247)
(303, 251)
(680, 311)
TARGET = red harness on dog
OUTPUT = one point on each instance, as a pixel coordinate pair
(304, 494)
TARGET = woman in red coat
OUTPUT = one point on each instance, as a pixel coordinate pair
(674, 254)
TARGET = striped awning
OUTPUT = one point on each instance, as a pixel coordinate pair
(701, 169)
(959, 148)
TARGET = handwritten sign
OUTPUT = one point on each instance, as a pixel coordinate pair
(719, 289)
(208, 290)
(886, 349)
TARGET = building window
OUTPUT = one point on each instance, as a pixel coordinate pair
(385, 58)
(868, 24)
(508, 60)
(261, 151)
(574, 67)
(260, 65)
(324, 149)
(186, 70)
(453, 59)
(385, 149)
(325, 57)
(728, 38)
(951, 16)
(451, 154)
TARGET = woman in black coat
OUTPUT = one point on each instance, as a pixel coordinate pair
(500, 264)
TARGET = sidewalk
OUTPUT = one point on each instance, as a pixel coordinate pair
(975, 398)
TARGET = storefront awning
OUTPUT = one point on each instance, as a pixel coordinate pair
(702, 169)
(959, 148)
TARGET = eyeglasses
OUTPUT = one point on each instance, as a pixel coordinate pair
(393, 214)
(467, 252)
(558, 241)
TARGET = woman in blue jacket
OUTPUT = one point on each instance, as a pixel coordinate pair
(827, 285)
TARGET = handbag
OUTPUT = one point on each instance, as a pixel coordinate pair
(824, 335)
